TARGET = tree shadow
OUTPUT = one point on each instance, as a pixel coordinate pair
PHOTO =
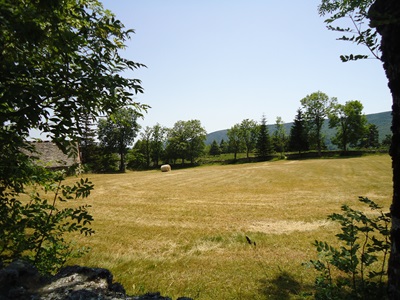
(284, 287)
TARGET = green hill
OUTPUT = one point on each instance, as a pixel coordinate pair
(382, 120)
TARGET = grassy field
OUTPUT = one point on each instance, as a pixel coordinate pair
(184, 232)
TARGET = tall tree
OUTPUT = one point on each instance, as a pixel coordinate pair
(298, 140)
(145, 144)
(186, 140)
(214, 149)
(350, 124)
(158, 137)
(196, 139)
(118, 131)
(371, 137)
(248, 135)
(59, 60)
(223, 146)
(87, 143)
(316, 109)
(280, 136)
(263, 144)
(384, 16)
(234, 140)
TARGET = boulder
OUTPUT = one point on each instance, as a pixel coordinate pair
(21, 281)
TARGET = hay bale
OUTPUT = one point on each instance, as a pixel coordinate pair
(165, 168)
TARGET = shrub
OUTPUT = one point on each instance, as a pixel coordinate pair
(33, 226)
(356, 269)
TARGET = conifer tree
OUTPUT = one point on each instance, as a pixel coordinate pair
(214, 149)
(298, 140)
(263, 145)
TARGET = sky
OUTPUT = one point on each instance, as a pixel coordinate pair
(223, 61)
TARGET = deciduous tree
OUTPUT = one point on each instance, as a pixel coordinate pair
(234, 140)
(186, 140)
(280, 136)
(382, 37)
(158, 136)
(316, 108)
(59, 60)
(350, 124)
(371, 137)
(118, 131)
(248, 135)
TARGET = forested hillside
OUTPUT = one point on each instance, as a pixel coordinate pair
(382, 120)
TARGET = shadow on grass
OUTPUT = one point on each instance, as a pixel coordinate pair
(284, 287)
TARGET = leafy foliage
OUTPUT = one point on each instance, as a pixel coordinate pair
(34, 229)
(186, 140)
(356, 269)
(118, 131)
(357, 12)
(214, 149)
(248, 134)
(350, 122)
(317, 107)
(60, 61)
(280, 137)
(234, 140)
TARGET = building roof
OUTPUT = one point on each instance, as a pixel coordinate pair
(51, 156)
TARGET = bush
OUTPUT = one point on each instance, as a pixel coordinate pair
(356, 269)
(32, 225)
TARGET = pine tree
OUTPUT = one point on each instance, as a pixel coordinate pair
(223, 146)
(263, 145)
(298, 134)
(214, 149)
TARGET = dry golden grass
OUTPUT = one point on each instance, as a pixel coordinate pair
(184, 232)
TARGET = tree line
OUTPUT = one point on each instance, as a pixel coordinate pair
(185, 141)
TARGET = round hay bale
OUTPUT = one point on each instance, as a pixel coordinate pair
(165, 168)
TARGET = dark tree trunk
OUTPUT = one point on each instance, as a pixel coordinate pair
(122, 162)
(385, 16)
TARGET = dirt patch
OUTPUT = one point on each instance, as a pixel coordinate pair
(282, 227)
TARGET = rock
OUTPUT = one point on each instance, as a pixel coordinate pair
(21, 281)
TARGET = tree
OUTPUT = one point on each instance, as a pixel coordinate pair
(387, 141)
(234, 140)
(118, 131)
(263, 144)
(186, 140)
(316, 108)
(371, 137)
(59, 60)
(350, 123)
(223, 146)
(384, 16)
(196, 141)
(298, 140)
(248, 134)
(87, 144)
(214, 149)
(157, 142)
(280, 137)
(145, 143)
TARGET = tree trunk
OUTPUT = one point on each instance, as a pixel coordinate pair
(385, 16)
(122, 162)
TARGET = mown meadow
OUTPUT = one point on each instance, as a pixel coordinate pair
(183, 233)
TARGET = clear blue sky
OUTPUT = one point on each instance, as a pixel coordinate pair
(222, 61)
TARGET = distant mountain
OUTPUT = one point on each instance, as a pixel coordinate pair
(382, 120)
